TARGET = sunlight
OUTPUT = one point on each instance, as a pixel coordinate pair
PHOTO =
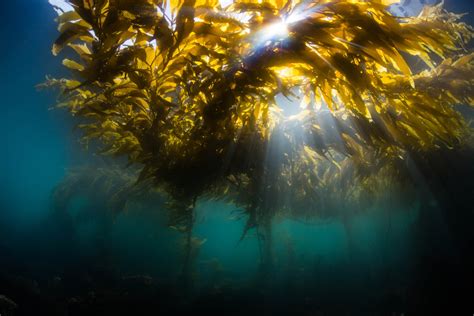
(277, 31)
(272, 32)
(280, 30)
(60, 6)
(225, 3)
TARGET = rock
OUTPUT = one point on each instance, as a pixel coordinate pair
(7, 305)
(138, 280)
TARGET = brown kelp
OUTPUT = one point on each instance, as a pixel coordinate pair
(189, 91)
(111, 186)
(111, 190)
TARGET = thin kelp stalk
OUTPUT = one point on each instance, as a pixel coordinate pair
(266, 267)
(186, 272)
(268, 260)
(349, 230)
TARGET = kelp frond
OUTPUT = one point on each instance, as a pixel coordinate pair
(192, 93)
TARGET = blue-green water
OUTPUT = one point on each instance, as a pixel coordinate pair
(407, 259)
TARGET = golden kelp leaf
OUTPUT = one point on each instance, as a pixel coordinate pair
(389, 2)
(81, 49)
(69, 16)
(70, 33)
(72, 84)
(71, 64)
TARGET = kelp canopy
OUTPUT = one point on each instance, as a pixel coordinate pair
(190, 91)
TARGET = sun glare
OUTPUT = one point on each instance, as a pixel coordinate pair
(273, 32)
(61, 6)
(278, 30)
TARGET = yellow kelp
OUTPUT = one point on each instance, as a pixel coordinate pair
(190, 90)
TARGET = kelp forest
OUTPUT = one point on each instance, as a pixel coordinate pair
(247, 157)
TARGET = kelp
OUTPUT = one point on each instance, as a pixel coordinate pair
(112, 187)
(191, 94)
(111, 190)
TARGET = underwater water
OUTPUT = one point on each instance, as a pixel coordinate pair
(402, 258)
